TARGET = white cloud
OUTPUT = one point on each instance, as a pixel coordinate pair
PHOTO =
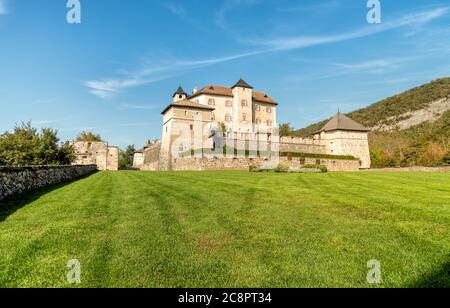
(138, 107)
(3, 7)
(149, 74)
(324, 6)
(176, 8)
(105, 88)
(230, 5)
(298, 42)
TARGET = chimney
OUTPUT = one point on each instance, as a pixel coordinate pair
(194, 90)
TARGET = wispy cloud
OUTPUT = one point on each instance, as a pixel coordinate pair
(317, 7)
(176, 8)
(3, 10)
(148, 74)
(230, 5)
(298, 42)
(138, 107)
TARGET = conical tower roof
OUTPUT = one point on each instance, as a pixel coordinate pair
(342, 122)
(241, 83)
(180, 91)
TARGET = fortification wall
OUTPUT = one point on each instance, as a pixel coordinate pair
(96, 153)
(211, 163)
(349, 143)
(17, 180)
(152, 157)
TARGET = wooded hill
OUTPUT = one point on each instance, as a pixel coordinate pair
(424, 144)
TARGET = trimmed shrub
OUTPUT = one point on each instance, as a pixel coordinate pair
(322, 168)
(281, 168)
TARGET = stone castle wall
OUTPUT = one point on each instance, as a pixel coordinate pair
(96, 153)
(152, 157)
(211, 163)
(17, 180)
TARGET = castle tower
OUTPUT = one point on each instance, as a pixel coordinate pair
(343, 136)
(242, 107)
(179, 95)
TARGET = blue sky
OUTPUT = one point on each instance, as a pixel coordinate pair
(115, 72)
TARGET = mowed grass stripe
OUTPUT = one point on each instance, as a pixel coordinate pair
(232, 229)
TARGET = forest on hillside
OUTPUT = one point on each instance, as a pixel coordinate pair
(425, 144)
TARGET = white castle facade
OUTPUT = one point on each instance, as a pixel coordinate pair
(237, 117)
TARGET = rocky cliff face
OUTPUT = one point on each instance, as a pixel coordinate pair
(431, 113)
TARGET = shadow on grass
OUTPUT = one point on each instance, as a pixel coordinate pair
(440, 278)
(14, 203)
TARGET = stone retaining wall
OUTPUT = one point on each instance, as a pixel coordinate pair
(211, 163)
(17, 180)
(414, 169)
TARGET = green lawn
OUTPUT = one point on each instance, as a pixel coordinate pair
(230, 229)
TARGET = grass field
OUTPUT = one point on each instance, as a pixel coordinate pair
(230, 229)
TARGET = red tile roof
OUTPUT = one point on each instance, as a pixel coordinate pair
(224, 91)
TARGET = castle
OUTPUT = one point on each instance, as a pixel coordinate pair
(197, 127)
(97, 153)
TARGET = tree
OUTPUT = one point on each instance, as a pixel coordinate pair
(27, 146)
(286, 129)
(89, 136)
(126, 157)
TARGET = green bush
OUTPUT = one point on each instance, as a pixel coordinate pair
(281, 168)
(322, 168)
(253, 169)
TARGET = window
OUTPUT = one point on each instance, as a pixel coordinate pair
(213, 116)
(269, 123)
(244, 117)
(268, 110)
(258, 121)
(192, 127)
(228, 118)
(229, 104)
(257, 107)
(180, 96)
(244, 103)
(185, 113)
(211, 102)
